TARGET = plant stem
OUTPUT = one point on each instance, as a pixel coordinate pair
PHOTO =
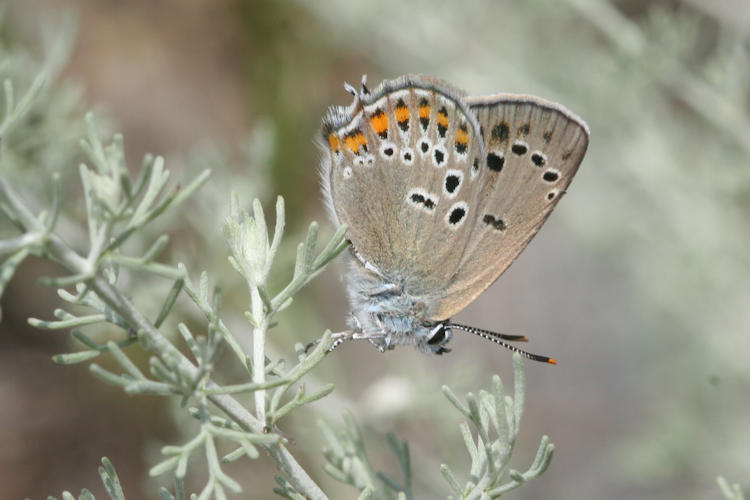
(259, 351)
(60, 252)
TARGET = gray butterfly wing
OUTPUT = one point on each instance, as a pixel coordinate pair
(399, 169)
(533, 150)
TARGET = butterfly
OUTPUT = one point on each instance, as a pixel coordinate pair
(440, 192)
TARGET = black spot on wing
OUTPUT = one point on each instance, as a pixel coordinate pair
(451, 183)
(519, 148)
(538, 159)
(496, 222)
(439, 156)
(550, 176)
(495, 162)
(501, 131)
(456, 215)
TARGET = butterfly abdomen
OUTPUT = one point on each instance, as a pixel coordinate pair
(381, 306)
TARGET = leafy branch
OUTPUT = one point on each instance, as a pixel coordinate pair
(495, 420)
(110, 480)
(252, 256)
(347, 459)
(117, 207)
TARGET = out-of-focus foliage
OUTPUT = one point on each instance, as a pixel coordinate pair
(730, 492)
(495, 420)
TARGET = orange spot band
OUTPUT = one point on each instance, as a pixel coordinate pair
(442, 119)
(402, 114)
(334, 142)
(424, 111)
(462, 137)
(379, 122)
(354, 140)
(351, 143)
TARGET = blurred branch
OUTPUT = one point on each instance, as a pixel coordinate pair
(495, 419)
(729, 117)
(730, 492)
(733, 13)
(348, 461)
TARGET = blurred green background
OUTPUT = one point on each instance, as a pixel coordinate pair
(638, 284)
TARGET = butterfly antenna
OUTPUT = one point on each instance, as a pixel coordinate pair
(477, 331)
(499, 339)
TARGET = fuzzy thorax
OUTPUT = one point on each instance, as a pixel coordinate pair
(381, 307)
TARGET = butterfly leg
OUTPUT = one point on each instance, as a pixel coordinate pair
(338, 339)
(379, 340)
(380, 346)
(356, 322)
(376, 339)
(382, 342)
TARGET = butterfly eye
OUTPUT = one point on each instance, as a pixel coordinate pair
(438, 335)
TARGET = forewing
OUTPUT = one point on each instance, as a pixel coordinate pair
(532, 151)
(400, 171)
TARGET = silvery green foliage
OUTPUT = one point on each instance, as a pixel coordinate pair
(41, 120)
(118, 206)
(494, 420)
(113, 488)
(730, 491)
(347, 461)
(109, 479)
